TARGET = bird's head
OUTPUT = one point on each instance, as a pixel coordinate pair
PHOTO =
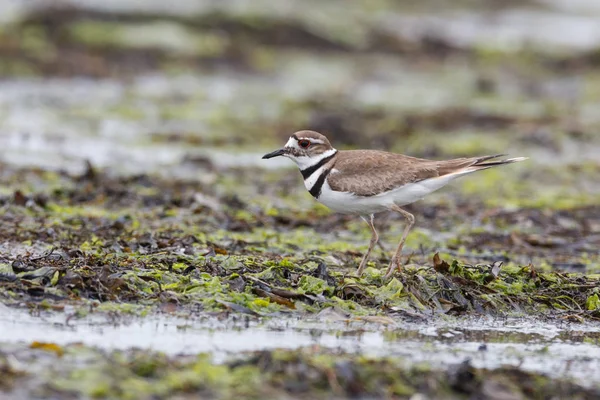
(305, 148)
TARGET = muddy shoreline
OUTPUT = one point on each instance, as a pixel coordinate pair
(146, 250)
(100, 265)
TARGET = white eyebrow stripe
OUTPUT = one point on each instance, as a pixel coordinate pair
(294, 143)
(319, 141)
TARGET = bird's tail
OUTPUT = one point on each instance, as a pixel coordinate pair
(461, 166)
(484, 163)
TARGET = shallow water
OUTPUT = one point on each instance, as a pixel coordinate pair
(121, 123)
(43, 123)
(540, 23)
(153, 122)
(489, 343)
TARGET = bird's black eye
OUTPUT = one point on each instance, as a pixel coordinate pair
(304, 143)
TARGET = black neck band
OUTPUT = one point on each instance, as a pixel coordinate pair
(311, 170)
(315, 191)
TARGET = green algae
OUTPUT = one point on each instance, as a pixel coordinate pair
(593, 302)
(514, 290)
(312, 285)
(166, 36)
(144, 247)
(303, 373)
(137, 245)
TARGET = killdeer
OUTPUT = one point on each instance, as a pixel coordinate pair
(366, 182)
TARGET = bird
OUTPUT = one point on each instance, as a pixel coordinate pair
(367, 182)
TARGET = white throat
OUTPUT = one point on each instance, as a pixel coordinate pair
(307, 162)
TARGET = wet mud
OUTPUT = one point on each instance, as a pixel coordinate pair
(146, 250)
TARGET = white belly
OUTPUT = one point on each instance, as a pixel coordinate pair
(349, 203)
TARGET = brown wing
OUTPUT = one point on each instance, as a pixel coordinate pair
(370, 172)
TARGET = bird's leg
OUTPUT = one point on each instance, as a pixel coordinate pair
(374, 239)
(410, 220)
(382, 247)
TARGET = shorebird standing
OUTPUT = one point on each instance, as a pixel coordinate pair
(365, 182)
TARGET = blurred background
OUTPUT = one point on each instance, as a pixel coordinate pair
(196, 90)
(136, 86)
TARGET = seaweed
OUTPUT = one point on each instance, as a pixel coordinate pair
(103, 245)
(304, 373)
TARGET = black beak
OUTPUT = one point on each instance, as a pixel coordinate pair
(275, 153)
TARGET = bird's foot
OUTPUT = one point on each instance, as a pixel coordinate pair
(394, 265)
(361, 267)
(359, 271)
